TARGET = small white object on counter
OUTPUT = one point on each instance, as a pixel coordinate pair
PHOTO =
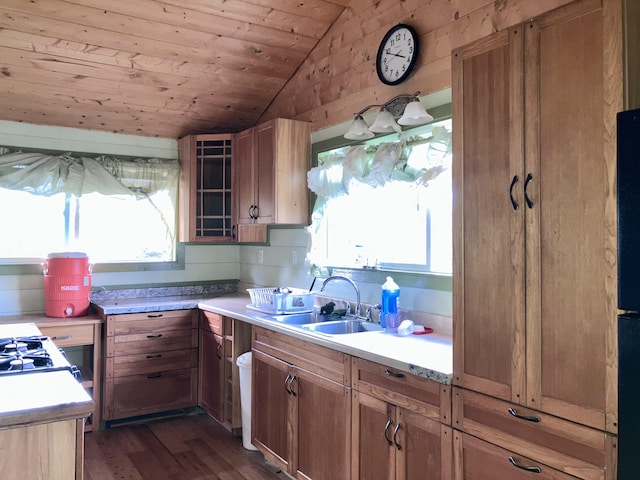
(405, 328)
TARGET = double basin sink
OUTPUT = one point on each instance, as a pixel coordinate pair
(327, 324)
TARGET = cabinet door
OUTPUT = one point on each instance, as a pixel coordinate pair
(271, 409)
(322, 427)
(570, 270)
(243, 151)
(423, 447)
(265, 183)
(210, 387)
(476, 459)
(373, 424)
(488, 263)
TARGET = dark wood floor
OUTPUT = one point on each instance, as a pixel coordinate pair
(191, 447)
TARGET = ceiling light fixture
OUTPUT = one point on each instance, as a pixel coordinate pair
(407, 107)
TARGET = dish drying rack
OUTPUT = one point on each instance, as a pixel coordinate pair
(281, 300)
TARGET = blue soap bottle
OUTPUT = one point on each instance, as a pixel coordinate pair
(390, 318)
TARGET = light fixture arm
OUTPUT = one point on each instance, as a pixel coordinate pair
(391, 103)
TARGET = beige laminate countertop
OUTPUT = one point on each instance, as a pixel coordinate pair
(39, 397)
(429, 356)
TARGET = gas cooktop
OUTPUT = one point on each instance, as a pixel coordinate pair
(20, 355)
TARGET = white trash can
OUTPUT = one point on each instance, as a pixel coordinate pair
(244, 367)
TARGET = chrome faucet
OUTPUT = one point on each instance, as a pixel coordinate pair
(355, 287)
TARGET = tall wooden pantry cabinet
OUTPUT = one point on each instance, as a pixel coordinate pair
(533, 266)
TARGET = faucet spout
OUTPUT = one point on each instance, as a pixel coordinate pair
(348, 280)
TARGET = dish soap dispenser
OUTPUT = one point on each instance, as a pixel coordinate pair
(390, 318)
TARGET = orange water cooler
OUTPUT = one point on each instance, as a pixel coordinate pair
(67, 284)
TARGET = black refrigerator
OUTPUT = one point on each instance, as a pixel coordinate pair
(628, 181)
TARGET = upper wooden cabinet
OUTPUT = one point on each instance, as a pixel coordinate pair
(205, 201)
(534, 274)
(270, 166)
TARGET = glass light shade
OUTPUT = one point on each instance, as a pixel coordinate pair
(415, 114)
(384, 123)
(358, 130)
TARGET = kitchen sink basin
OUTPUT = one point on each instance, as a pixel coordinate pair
(341, 327)
(293, 318)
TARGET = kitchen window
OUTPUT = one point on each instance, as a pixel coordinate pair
(115, 210)
(386, 204)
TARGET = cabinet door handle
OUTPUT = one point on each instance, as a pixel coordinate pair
(528, 418)
(514, 204)
(158, 335)
(218, 354)
(154, 375)
(286, 384)
(293, 379)
(154, 315)
(526, 195)
(394, 374)
(395, 436)
(62, 337)
(386, 428)
(522, 467)
(158, 355)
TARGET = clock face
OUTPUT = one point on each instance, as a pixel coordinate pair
(397, 54)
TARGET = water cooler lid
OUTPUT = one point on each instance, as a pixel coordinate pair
(67, 255)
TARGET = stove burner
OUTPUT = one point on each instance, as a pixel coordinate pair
(22, 364)
(24, 353)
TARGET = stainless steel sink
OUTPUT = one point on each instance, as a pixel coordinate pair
(293, 318)
(342, 327)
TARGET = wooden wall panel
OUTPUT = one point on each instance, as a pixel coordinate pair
(338, 78)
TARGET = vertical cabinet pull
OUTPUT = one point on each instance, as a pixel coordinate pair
(286, 384)
(395, 436)
(514, 204)
(528, 418)
(522, 467)
(386, 428)
(293, 379)
(526, 195)
(218, 349)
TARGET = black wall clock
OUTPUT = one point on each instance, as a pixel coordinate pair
(397, 54)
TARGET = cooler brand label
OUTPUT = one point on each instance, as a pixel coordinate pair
(69, 288)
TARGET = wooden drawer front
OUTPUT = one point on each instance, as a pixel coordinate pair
(567, 446)
(414, 393)
(150, 342)
(131, 323)
(69, 335)
(144, 363)
(475, 459)
(212, 322)
(156, 392)
(323, 361)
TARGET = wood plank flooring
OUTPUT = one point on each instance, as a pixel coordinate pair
(192, 447)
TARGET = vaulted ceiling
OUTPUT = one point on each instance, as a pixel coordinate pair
(162, 68)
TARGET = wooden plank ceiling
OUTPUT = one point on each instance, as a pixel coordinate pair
(163, 68)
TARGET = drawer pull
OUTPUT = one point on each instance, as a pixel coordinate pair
(528, 418)
(155, 356)
(154, 336)
(154, 375)
(394, 374)
(386, 427)
(154, 315)
(395, 436)
(527, 469)
(62, 337)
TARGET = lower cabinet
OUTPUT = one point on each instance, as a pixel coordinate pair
(151, 363)
(222, 341)
(397, 429)
(497, 436)
(301, 418)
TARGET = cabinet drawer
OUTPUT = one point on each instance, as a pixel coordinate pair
(569, 447)
(325, 362)
(212, 322)
(145, 363)
(69, 335)
(480, 460)
(151, 342)
(414, 393)
(132, 323)
(150, 393)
